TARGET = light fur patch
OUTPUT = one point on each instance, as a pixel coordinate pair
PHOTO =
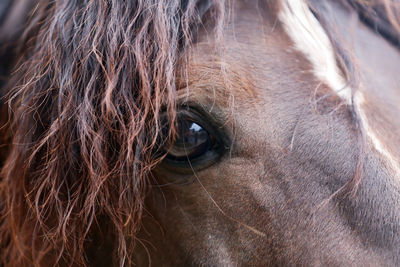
(378, 145)
(311, 40)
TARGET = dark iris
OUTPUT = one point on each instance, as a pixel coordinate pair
(192, 141)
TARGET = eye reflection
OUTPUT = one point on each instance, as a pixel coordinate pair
(192, 141)
(195, 127)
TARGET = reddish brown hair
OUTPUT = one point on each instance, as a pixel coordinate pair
(85, 114)
(85, 108)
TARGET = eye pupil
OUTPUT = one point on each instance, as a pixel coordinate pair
(197, 143)
(192, 141)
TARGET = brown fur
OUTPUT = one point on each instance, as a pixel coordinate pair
(85, 104)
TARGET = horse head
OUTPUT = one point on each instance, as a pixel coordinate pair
(204, 133)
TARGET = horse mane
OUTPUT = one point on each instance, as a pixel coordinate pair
(85, 104)
(382, 17)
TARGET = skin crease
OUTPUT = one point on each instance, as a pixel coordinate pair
(268, 200)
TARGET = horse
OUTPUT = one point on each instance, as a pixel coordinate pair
(200, 133)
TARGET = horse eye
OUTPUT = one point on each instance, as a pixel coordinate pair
(197, 144)
(192, 141)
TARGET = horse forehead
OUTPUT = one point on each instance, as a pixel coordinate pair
(375, 100)
(309, 38)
